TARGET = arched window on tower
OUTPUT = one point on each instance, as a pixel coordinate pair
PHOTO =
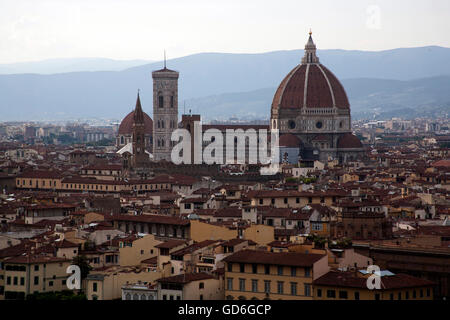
(159, 143)
(159, 124)
(172, 101)
(162, 142)
(162, 124)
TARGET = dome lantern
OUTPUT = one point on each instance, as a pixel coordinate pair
(310, 51)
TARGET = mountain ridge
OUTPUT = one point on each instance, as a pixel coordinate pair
(111, 94)
(67, 65)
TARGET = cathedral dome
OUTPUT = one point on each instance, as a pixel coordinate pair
(126, 126)
(310, 85)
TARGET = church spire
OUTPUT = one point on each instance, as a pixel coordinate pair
(165, 59)
(138, 113)
(310, 51)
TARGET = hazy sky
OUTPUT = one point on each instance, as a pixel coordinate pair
(142, 29)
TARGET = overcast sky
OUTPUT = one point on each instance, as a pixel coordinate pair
(141, 29)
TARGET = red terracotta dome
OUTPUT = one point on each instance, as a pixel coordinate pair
(126, 126)
(289, 141)
(323, 89)
(349, 141)
(310, 85)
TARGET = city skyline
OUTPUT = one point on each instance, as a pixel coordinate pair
(298, 172)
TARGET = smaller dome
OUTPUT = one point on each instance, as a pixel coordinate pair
(126, 126)
(289, 141)
(349, 141)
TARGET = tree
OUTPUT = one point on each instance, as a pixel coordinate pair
(342, 243)
(83, 263)
(319, 241)
(56, 296)
(103, 142)
(308, 180)
(291, 180)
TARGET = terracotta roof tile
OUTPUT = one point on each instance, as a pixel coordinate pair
(274, 258)
(350, 279)
(126, 126)
(186, 278)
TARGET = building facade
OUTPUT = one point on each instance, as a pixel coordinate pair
(139, 291)
(245, 141)
(352, 285)
(263, 275)
(24, 275)
(190, 286)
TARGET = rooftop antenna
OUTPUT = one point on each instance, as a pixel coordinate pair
(164, 58)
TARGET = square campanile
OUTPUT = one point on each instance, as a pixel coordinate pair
(165, 111)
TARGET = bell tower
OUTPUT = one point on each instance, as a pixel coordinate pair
(139, 158)
(165, 111)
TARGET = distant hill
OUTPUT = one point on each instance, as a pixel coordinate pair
(65, 65)
(111, 94)
(368, 97)
(390, 98)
